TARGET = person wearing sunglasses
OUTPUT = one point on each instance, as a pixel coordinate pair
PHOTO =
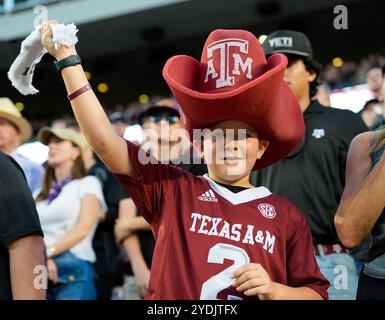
(170, 118)
(159, 123)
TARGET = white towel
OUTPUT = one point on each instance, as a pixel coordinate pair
(22, 69)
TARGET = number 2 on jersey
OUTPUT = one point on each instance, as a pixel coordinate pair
(222, 280)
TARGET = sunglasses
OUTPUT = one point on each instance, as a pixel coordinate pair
(156, 118)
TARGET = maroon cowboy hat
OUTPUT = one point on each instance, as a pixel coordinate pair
(234, 81)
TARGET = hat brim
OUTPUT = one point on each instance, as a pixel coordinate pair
(266, 103)
(46, 133)
(21, 124)
(288, 51)
(316, 66)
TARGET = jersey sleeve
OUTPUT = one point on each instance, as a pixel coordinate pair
(302, 267)
(153, 180)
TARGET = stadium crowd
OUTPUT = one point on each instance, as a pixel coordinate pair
(98, 245)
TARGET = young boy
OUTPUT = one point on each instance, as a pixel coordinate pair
(217, 236)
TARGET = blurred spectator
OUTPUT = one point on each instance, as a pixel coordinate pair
(306, 175)
(352, 73)
(362, 209)
(332, 76)
(21, 237)
(323, 94)
(104, 244)
(371, 113)
(381, 122)
(106, 250)
(119, 122)
(138, 243)
(15, 130)
(168, 146)
(374, 81)
(69, 206)
(155, 120)
(60, 123)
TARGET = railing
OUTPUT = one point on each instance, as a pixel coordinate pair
(10, 6)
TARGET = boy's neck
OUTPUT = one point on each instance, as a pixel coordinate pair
(304, 102)
(244, 182)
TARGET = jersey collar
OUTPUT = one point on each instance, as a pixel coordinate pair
(240, 197)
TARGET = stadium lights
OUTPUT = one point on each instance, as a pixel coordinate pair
(144, 98)
(337, 62)
(102, 87)
(19, 106)
(88, 75)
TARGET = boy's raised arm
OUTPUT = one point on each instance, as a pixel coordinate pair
(88, 111)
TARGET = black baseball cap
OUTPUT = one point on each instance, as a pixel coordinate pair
(290, 43)
(163, 106)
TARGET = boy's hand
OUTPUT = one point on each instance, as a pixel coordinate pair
(46, 39)
(252, 279)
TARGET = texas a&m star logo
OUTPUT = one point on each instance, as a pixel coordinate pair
(224, 76)
(267, 210)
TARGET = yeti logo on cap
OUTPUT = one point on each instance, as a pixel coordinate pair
(281, 42)
(227, 61)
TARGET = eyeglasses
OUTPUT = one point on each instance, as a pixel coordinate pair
(156, 118)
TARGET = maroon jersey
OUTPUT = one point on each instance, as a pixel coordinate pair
(204, 232)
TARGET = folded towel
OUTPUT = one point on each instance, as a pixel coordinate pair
(22, 69)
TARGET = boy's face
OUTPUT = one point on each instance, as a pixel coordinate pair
(231, 150)
(374, 79)
(298, 78)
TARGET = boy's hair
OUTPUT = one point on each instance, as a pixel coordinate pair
(316, 82)
(311, 66)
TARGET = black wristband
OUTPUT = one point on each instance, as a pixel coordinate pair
(67, 62)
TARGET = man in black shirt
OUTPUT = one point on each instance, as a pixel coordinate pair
(22, 253)
(313, 175)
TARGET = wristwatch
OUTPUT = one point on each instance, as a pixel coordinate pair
(68, 62)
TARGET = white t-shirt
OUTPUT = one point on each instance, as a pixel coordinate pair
(62, 214)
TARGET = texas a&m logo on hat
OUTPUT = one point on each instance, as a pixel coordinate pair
(228, 64)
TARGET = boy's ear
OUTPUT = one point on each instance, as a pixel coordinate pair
(198, 146)
(312, 75)
(263, 145)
